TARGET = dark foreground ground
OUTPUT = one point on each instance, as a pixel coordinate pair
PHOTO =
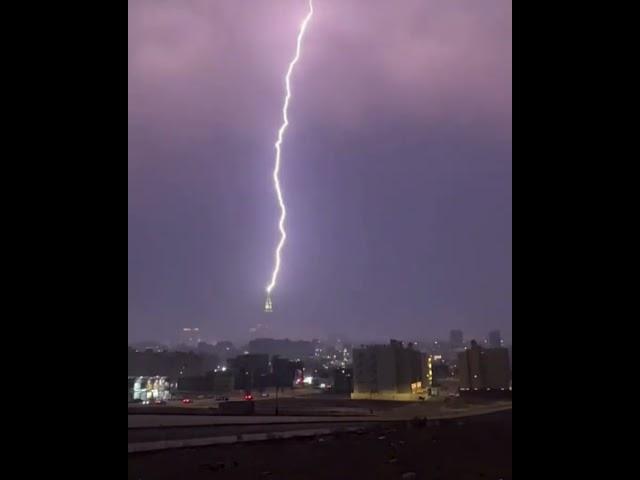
(176, 433)
(473, 448)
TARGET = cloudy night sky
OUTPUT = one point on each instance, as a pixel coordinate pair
(396, 168)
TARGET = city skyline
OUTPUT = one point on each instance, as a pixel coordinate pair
(398, 169)
(423, 341)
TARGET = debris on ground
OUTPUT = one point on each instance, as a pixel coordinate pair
(214, 467)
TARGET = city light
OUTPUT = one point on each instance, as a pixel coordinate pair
(274, 138)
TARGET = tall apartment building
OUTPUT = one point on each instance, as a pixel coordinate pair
(389, 372)
(484, 368)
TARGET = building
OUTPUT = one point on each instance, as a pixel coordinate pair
(168, 364)
(223, 382)
(495, 340)
(225, 350)
(293, 349)
(456, 339)
(150, 389)
(343, 380)
(218, 383)
(155, 346)
(250, 370)
(484, 368)
(389, 372)
(498, 371)
(190, 337)
(132, 381)
(440, 371)
(284, 371)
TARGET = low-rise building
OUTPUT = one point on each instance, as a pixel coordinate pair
(150, 389)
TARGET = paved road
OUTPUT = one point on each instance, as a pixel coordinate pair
(157, 421)
(138, 435)
(299, 405)
(426, 409)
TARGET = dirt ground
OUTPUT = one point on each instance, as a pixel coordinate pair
(473, 448)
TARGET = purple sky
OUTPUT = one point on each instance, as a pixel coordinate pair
(396, 167)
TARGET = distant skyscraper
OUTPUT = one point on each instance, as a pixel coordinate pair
(495, 340)
(190, 337)
(456, 339)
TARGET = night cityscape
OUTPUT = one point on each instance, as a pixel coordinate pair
(319, 239)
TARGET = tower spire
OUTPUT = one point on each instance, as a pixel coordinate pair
(268, 306)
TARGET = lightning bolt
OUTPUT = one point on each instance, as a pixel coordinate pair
(278, 145)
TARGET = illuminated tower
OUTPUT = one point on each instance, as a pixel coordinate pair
(268, 306)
